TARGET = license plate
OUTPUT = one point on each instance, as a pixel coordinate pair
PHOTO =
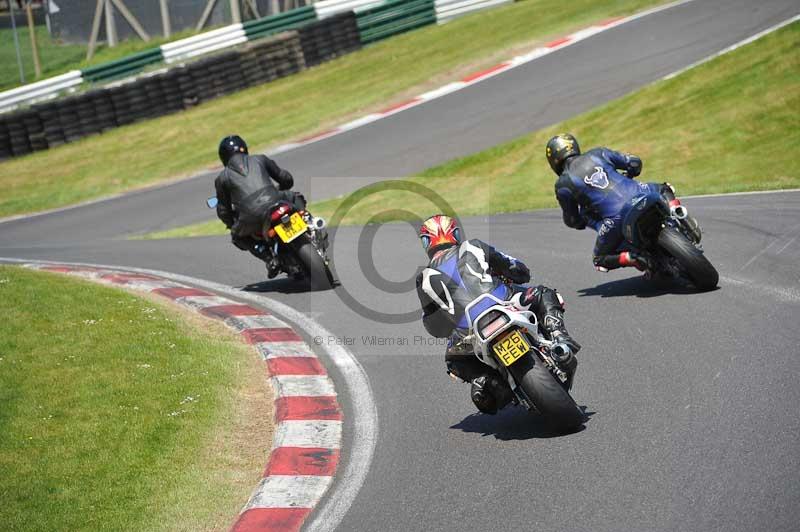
(295, 227)
(511, 347)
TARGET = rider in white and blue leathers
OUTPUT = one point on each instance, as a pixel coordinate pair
(460, 271)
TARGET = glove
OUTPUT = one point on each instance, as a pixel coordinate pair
(518, 273)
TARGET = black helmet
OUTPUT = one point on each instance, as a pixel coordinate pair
(559, 149)
(230, 145)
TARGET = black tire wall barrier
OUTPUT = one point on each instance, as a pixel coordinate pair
(50, 124)
(330, 38)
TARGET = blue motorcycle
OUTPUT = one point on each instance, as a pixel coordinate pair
(670, 238)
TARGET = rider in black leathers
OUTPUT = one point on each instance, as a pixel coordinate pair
(245, 193)
(458, 272)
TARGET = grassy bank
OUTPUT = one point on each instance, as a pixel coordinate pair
(121, 413)
(729, 125)
(388, 71)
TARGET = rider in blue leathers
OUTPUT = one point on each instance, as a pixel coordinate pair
(595, 190)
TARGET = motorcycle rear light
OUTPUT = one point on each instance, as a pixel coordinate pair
(279, 212)
(491, 323)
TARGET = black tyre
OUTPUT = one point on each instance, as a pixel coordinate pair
(697, 267)
(550, 398)
(317, 271)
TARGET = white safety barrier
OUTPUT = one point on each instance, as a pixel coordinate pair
(39, 90)
(327, 8)
(228, 36)
(447, 10)
(203, 43)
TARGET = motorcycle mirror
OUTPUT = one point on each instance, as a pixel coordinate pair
(212, 202)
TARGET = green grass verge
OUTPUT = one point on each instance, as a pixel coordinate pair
(180, 144)
(729, 125)
(118, 412)
(57, 57)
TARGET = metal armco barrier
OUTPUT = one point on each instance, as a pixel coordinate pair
(391, 18)
(123, 67)
(447, 10)
(287, 20)
(203, 43)
(40, 89)
(173, 52)
(182, 86)
(328, 8)
(375, 20)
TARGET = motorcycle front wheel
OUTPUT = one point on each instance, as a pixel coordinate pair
(548, 396)
(697, 267)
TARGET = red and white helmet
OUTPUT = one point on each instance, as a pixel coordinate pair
(439, 231)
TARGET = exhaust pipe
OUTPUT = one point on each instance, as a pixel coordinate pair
(679, 211)
(681, 214)
(319, 223)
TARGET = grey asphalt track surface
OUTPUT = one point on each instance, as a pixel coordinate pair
(692, 397)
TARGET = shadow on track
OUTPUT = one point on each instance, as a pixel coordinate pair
(513, 423)
(640, 287)
(284, 285)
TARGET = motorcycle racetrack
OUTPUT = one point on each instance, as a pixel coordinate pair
(691, 397)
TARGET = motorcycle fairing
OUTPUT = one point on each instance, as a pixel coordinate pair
(638, 206)
(481, 304)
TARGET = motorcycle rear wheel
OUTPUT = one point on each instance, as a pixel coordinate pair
(317, 272)
(697, 267)
(548, 396)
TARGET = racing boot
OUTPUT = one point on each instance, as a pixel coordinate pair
(566, 347)
(272, 269)
(638, 260)
(490, 393)
(263, 252)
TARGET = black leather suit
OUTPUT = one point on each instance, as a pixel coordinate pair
(245, 193)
